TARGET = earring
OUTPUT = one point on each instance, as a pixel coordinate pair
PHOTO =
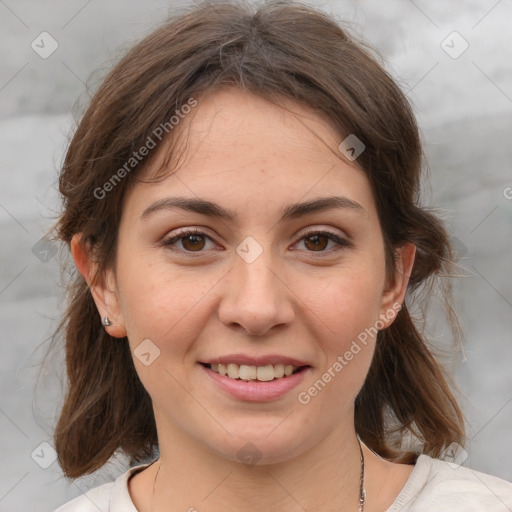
(106, 321)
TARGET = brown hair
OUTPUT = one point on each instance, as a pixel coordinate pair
(276, 50)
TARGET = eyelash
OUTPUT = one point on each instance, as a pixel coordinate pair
(342, 243)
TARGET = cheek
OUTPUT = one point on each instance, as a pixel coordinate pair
(345, 313)
(169, 309)
(161, 304)
(344, 305)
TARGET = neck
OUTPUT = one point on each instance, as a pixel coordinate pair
(327, 477)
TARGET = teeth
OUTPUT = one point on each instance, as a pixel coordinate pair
(247, 372)
(265, 373)
(279, 371)
(261, 373)
(233, 371)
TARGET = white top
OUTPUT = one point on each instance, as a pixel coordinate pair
(433, 486)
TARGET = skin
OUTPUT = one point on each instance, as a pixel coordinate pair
(254, 158)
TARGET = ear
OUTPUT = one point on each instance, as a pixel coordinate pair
(393, 295)
(103, 287)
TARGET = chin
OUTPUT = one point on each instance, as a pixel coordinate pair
(260, 446)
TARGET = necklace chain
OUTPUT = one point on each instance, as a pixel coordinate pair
(362, 491)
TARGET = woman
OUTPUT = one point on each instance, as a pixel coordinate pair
(240, 200)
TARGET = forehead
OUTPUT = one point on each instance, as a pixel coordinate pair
(240, 150)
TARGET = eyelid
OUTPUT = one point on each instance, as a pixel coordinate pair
(323, 230)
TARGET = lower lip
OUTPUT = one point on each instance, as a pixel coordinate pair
(257, 391)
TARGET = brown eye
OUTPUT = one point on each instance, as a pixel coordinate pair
(189, 241)
(317, 242)
(193, 242)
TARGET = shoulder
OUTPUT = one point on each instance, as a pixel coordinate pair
(95, 500)
(438, 485)
(110, 497)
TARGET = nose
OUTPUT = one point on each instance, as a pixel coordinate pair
(256, 297)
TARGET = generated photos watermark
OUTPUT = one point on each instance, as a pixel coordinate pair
(304, 397)
(137, 156)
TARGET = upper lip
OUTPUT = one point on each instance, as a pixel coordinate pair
(255, 360)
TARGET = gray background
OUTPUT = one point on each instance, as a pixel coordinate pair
(464, 106)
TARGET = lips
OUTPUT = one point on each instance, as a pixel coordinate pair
(256, 378)
(256, 390)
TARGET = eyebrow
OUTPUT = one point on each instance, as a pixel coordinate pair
(292, 211)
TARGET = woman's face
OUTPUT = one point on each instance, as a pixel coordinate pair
(265, 285)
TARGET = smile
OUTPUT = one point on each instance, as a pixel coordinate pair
(260, 373)
(255, 383)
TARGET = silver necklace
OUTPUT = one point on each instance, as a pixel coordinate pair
(362, 491)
